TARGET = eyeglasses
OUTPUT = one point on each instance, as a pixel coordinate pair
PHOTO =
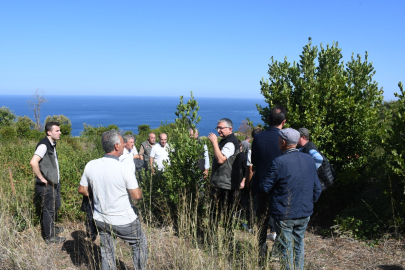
(220, 128)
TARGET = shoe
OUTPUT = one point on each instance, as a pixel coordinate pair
(55, 240)
(58, 230)
(272, 236)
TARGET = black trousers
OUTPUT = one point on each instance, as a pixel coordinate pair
(263, 216)
(223, 205)
(50, 201)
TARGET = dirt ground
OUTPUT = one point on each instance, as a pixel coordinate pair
(78, 252)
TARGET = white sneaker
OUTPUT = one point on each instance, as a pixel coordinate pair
(272, 236)
(246, 227)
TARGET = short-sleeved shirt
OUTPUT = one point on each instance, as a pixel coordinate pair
(41, 151)
(228, 149)
(128, 157)
(110, 179)
(159, 154)
(249, 158)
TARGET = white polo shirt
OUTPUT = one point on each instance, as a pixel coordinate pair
(159, 154)
(110, 179)
(128, 157)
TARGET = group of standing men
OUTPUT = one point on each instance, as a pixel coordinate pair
(285, 184)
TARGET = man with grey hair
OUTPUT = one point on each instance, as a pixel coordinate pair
(130, 153)
(224, 155)
(294, 187)
(113, 184)
(246, 144)
(160, 153)
(204, 161)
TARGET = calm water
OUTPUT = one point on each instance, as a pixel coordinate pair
(129, 112)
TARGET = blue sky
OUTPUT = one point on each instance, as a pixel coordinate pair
(169, 48)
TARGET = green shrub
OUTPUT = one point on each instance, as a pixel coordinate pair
(23, 126)
(6, 117)
(8, 133)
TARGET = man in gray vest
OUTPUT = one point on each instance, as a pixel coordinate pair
(146, 147)
(45, 165)
(224, 154)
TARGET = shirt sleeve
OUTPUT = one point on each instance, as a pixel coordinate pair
(271, 178)
(153, 152)
(135, 152)
(129, 178)
(206, 157)
(249, 158)
(228, 150)
(317, 157)
(84, 181)
(41, 150)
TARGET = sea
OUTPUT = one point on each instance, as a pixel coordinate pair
(128, 112)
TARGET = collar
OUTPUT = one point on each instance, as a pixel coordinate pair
(111, 156)
(290, 150)
(52, 143)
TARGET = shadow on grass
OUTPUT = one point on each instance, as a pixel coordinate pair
(390, 267)
(83, 251)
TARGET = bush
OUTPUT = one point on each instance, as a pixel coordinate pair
(8, 133)
(90, 131)
(6, 117)
(23, 126)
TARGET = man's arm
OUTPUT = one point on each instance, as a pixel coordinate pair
(220, 158)
(141, 152)
(151, 164)
(271, 178)
(317, 188)
(83, 190)
(207, 161)
(136, 194)
(35, 168)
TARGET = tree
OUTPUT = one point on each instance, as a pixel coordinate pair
(64, 122)
(23, 126)
(339, 103)
(246, 127)
(35, 103)
(143, 128)
(6, 117)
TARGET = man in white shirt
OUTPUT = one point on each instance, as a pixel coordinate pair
(159, 153)
(112, 183)
(130, 153)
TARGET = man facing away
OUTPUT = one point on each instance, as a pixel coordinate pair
(113, 184)
(293, 184)
(222, 192)
(146, 147)
(246, 144)
(45, 165)
(130, 152)
(264, 150)
(204, 161)
(159, 153)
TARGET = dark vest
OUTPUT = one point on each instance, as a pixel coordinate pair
(147, 148)
(308, 146)
(201, 161)
(47, 165)
(221, 173)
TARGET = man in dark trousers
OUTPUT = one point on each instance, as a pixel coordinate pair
(264, 150)
(45, 165)
(224, 155)
(294, 187)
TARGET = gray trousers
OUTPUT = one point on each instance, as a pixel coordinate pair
(131, 233)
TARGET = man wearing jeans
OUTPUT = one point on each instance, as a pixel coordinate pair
(45, 165)
(112, 182)
(293, 184)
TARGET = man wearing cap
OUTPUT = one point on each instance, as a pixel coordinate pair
(308, 147)
(294, 186)
(264, 150)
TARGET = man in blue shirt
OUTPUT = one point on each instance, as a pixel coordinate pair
(308, 147)
(294, 186)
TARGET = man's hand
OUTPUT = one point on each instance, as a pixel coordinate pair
(83, 190)
(205, 173)
(242, 184)
(35, 168)
(213, 138)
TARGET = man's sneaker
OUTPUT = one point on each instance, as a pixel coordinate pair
(272, 236)
(58, 230)
(55, 240)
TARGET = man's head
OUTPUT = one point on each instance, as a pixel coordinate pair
(248, 138)
(288, 138)
(256, 131)
(163, 139)
(278, 116)
(52, 130)
(304, 137)
(112, 143)
(193, 134)
(129, 141)
(152, 138)
(224, 127)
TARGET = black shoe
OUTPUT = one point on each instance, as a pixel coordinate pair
(58, 230)
(55, 240)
